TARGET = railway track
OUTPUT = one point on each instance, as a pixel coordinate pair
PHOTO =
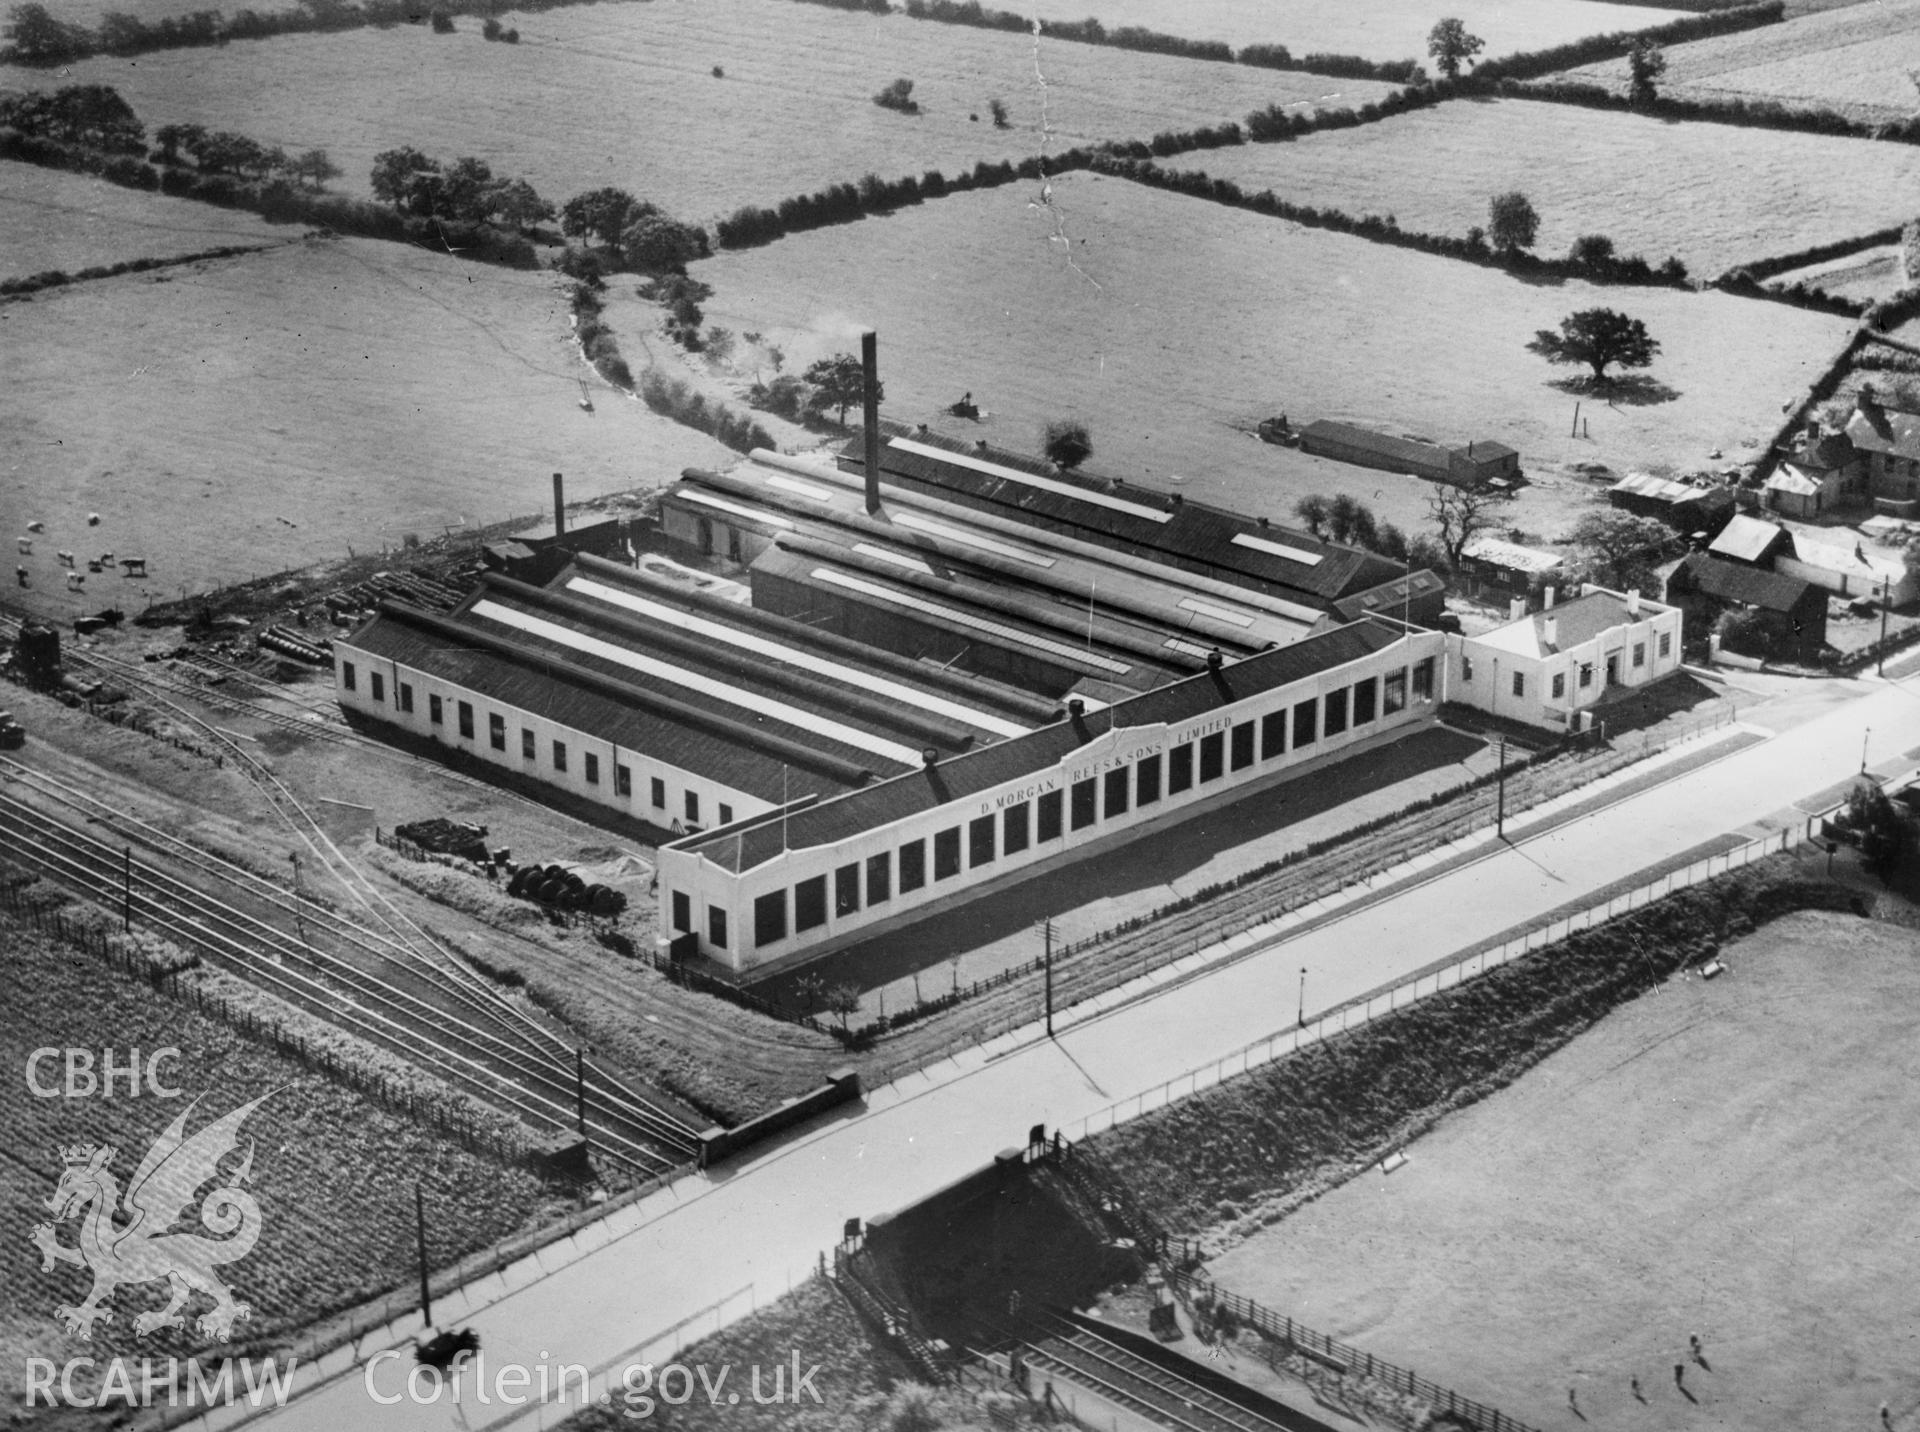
(1102, 1365)
(490, 1063)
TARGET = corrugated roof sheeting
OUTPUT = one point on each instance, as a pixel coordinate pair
(982, 770)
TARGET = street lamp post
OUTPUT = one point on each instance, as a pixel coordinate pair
(1301, 1020)
(1500, 809)
(1865, 736)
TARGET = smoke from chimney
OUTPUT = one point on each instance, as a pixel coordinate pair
(870, 400)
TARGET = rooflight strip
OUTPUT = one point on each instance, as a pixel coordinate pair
(898, 559)
(1174, 643)
(1065, 489)
(707, 499)
(805, 489)
(1219, 614)
(780, 651)
(972, 539)
(753, 701)
(1277, 549)
(967, 619)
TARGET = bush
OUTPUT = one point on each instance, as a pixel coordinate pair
(442, 22)
(898, 96)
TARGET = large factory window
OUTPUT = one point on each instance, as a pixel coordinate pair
(879, 878)
(770, 918)
(346, 675)
(692, 805)
(657, 792)
(1180, 769)
(1305, 722)
(1212, 756)
(1048, 819)
(1273, 734)
(406, 689)
(1146, 788)
(1393, 693)
(592, 769)
(1366, 697)
(496, 731)
(913, 865)
(946, 853)
(1241, 752)
(466, 719)
(1115, 802)
(560, 755)
(622, 780)
(1423, 679)
(810, 903)
(716, 927)
(377, 684)
(726, 813)
(846, 889)
(682, 911)
(1013, 828)
(980, 841)
(436, 710)
(529, 748)
(1336, 711)
(1084, 804)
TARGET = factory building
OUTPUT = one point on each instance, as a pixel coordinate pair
(677, 706)
(793, 884)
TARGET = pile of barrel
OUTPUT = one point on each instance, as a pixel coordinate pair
(287, 642)
(562, 889)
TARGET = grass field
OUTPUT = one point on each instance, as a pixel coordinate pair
(245, 416)
(1855, 59)
(1726, 1159)
(332, 1172)
(1867, 276)
(1713, 194)
(624, 94)
(1377, 29)
(54, 220)
(1176, 324)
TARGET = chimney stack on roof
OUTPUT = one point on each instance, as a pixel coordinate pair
(1516, 609)
(1633, 602)
(1551, 632)
(1214, 659)
(929, 756)
(870, 401)
(1551, 593)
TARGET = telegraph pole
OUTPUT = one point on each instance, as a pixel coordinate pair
(1301, 1021)
(1046, 957)
(1500, 812)
(420, 1233)
(1886, 584)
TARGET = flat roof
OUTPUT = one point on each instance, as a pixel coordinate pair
(1576, 621)
(830, 821)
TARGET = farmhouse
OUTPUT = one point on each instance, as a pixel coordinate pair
(1547, 667)
(1790, 613)
(1888, 440)
(1470, 466)
(1681, 505)
(779, 886)
(1824, 472)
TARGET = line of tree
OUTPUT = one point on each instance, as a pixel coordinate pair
(626, 232)
(1348, 522)
(1723, 109)
(465, 191)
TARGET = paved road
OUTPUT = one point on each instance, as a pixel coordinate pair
(764, 1221)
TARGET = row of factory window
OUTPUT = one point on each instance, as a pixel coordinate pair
(1559, 685)
(529, 744)
(1025, 824)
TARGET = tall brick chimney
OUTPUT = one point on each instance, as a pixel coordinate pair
(870, 416)
(559, 507)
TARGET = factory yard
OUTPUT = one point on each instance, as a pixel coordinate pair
(1172, 364)
(1854, 58)
(1714, 1158)
(1648, 185)
(1377, 29)
(626, 95)
(271, 411)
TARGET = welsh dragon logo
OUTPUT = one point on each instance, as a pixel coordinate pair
(126, 1239)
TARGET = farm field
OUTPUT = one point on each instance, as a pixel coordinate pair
(54, 220)
(234, 418)
(1869, 275)
(333, 1173)
(1175, 325)
(1722, 1159)
(1377, 29)
(624, 94)
(1714, 195)
(1855, 59)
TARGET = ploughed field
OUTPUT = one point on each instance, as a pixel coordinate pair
(50, 220)
(1856, 58)
(625, 94)
(1171, 325)
(237, 417)
(1376, 29)
(1713, 195)
(1727, 1158)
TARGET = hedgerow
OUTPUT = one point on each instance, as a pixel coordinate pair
(1726, 109)
(1819, 253)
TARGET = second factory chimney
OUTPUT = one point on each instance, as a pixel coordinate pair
(870, 415)
(559, 507)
